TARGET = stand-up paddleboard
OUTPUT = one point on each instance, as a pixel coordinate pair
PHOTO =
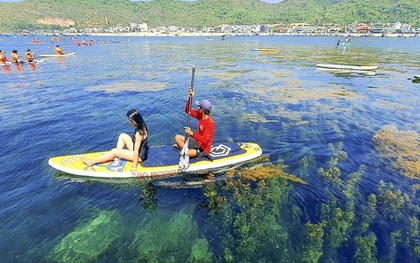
(348, 71)
(346, 67)
(162, 162)
(271, 50)
(56, 55)
(35, 61)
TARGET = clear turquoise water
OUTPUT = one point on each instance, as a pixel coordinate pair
(280, 101)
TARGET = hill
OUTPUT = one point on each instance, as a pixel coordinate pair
(51, 14)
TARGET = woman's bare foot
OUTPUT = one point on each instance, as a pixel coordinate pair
(87, 161)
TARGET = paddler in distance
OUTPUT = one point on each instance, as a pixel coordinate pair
(29, 56)
(200, 142)
(58, 50)
(15, 56)
(3, 58)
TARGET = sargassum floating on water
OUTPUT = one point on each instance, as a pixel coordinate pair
(402, 146)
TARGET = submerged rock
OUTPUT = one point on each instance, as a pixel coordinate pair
(89, 241)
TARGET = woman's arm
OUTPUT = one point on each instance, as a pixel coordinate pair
(136, 149)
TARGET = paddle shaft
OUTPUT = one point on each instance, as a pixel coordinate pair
(184, 159)
(190, 99)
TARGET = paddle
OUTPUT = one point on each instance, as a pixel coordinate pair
(184, 159)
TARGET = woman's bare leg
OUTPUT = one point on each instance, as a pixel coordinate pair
(124, 140)
(114, 153)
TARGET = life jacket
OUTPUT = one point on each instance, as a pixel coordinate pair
(3, 57)
(29, 57)
(58, 51)
(15, 57)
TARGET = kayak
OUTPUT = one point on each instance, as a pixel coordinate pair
(346, 67)
(57, 56)
(162, 162)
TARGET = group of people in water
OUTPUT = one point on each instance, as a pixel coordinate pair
(15, 58)
(135, 148)
(29, 56)
(344, 41)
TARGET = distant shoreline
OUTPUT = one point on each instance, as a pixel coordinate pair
(221, 35)
(182, 34)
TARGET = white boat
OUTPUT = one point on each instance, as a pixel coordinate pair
(346, 67)
(56, 55)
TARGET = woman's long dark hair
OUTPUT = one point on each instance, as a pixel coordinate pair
(135, 117)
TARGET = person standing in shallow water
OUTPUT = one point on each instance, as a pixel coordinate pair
(133, 148)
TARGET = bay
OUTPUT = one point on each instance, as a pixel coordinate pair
(351, 139)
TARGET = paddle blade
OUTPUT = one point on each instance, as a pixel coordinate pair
(184, 159)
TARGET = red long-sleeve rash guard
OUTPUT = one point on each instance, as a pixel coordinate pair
(205, 129)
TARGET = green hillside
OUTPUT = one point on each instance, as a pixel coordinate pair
(88, 13)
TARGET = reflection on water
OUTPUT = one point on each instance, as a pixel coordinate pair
(337, 182)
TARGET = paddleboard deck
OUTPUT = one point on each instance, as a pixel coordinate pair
(162, 162)
(271, 50)
(58, 56)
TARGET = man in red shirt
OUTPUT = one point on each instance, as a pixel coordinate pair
(200, 141)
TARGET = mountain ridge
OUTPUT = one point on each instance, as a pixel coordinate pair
(88, 13)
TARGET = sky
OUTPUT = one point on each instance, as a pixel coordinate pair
(268, 1)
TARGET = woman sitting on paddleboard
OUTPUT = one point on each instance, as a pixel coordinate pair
(133, 148)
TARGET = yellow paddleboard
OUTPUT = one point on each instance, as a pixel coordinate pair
(161, 163)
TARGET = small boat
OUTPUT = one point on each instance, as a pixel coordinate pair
(57, 56)
(346, 67)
